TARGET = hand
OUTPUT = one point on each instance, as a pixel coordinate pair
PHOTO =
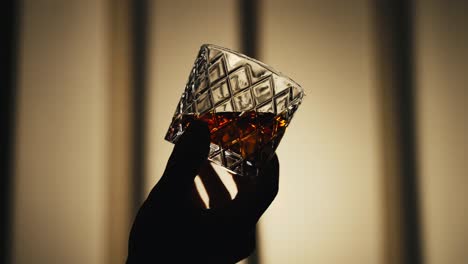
(173, 225)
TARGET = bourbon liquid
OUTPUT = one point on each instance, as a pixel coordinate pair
(243, 134)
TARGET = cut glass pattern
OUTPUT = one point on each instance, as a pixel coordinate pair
(246, 104)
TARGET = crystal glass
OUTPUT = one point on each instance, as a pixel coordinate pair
(246, 103)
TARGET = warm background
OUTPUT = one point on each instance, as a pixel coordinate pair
(373, 167)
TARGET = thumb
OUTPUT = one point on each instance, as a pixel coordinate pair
(188, 155)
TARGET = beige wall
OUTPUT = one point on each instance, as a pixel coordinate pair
(328, 207)
(60, 186)
(442, 92)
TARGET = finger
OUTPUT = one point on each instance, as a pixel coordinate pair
(255, 199)
(268, 181)
(242, 183)
(189, 153)
(250, 203)
(218, 193)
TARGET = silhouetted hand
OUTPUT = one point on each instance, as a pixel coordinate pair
(173, 225)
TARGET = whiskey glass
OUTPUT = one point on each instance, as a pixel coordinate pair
(246, 104)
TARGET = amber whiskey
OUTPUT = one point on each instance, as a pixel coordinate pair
(243, 133)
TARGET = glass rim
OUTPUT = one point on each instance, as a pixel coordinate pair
(262, 64)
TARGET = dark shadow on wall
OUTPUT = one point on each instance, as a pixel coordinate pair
(139, 31)
(7, 123)
(249, 30)
(394, 24)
